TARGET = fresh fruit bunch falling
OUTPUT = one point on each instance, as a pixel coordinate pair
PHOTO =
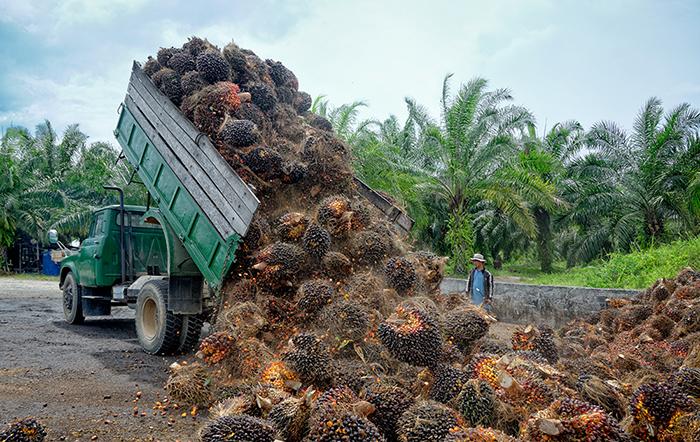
(217, 347)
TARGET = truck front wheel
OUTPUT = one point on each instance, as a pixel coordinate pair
(72, 302)
(157, 329)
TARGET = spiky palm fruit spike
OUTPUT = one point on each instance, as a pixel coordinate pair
(314, 295)
(316, 241)
(302, 102)
(390, 402)
(400, 274)
(240, 133)
(654, 407)
(196, 46)
(264, 162)
(212, 66)
(369, 247)
(239, 428)
(217, 347)
(281, 75)
(411, 336)
(427, 421)
(447, 383)
(164, 55)
(182, 62)
(335, 400)
(318, 122)
(25, 430)
(688, 381)
(290, 417)
(309, 357)
(168, 82)
(361, 216)
(463, 327)
(333, 207)
(346, 427)
(484, 367)
(279, 376)
(294, 172)
(212, 105)
(346, 320)
(249, 111)
(191, 82)
(263, 96)
(189, 385)
(476, 402)
(336, 265)
(151, 66)
(545, 345)
(291, 226)
(285, 258)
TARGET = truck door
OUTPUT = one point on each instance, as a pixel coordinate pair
(89, 251)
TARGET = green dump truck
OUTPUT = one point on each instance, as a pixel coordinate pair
(162, 260)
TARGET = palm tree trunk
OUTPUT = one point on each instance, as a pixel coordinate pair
(544, 239)
(460, 238)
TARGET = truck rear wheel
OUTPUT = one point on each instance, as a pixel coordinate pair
(157, 329)
(190, 333)
(72, 302)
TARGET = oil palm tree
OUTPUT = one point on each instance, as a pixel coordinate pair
(470, 155)
(547, 157)
(632, 188)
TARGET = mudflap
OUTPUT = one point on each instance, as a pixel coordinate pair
(185, 295)
(96, 302)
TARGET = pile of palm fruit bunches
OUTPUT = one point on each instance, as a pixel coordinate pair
(332, 329)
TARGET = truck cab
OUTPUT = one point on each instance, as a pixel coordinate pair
(126, 261)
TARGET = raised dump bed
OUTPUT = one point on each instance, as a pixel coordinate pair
(207, 205)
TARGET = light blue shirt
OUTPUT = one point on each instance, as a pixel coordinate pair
(478, 287)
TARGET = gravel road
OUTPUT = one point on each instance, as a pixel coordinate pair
(86, 382)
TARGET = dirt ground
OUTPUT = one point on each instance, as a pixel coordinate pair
(86, 382)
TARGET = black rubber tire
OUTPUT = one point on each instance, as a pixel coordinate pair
(157, 329)
(190, 332)
(72, 300)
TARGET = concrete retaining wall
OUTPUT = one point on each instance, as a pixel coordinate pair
(553, 305)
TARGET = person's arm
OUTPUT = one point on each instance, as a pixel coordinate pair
(468, 290)
(491, 286)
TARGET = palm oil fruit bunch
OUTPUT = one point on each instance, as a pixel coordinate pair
(25, 430)
(411, 336)
(216, 347)
(427, 421)
(238, 428)
(654, 408)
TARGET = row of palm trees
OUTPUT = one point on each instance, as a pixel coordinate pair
(481, 178)
(47, 181)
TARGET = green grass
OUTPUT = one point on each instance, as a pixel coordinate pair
(32, 276)
(635, 270)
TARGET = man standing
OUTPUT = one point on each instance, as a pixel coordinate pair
(480, 283)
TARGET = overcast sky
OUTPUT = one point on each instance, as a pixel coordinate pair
(69, 61)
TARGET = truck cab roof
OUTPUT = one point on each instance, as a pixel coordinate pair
(127, 207)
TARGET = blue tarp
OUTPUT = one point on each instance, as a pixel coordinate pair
(49, 267)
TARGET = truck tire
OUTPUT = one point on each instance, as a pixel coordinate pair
(157, 329)
(72, 300)
(190, 332)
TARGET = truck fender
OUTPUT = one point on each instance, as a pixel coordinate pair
(65, 269)
(132, 292)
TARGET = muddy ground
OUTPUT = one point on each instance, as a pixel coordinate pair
(82, 382)
(86, 382)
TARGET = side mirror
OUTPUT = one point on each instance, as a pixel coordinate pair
(53, 236)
